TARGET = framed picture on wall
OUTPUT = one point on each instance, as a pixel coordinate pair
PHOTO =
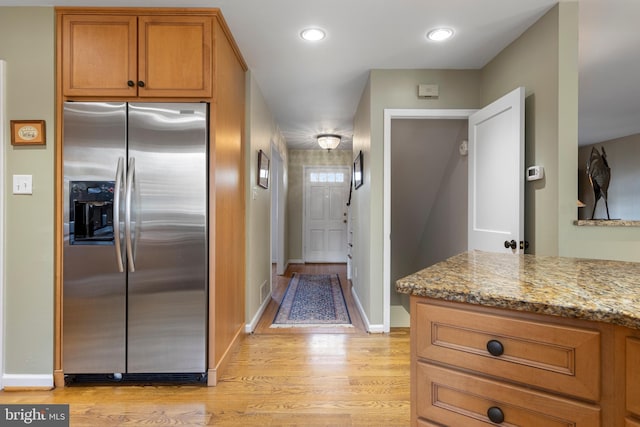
(263, 169)
(357, 171)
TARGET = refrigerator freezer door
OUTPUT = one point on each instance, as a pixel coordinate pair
(167, 311)
(94, 290)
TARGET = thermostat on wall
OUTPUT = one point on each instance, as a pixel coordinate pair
(535, 173)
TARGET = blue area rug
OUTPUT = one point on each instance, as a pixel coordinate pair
(312, 300)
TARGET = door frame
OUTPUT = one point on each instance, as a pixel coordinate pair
(305, 189)
(278, 203)
(390, 114)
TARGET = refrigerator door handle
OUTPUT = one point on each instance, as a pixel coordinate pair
(116, 213)
(127, 214)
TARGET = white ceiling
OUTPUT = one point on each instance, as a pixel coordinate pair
(314, 88)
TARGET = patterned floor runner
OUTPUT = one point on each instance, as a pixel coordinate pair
(312, 300)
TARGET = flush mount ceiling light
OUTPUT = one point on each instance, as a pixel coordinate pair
(440, 34)
(328, 141)
(312, 34)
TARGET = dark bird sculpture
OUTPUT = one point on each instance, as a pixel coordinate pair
(599, 174)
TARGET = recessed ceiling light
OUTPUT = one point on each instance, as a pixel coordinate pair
(440, 34)
(313, 34)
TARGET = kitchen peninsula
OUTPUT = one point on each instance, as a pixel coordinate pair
(525, 340)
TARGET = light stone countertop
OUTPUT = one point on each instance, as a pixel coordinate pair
(597, 290)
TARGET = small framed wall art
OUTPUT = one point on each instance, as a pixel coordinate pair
(263, 169)
(357, 171)
(28, 132)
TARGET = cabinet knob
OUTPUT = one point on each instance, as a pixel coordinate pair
(495, 347)
(140, 83)
(131, 83)
(495, 415)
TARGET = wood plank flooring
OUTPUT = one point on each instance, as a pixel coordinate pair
(295, 378)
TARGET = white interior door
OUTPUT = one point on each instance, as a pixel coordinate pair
(325, 212)
(496, 175)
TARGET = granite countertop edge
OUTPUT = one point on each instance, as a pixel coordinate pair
(468, 278)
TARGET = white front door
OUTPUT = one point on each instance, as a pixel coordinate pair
(496, 175)
(325, 212)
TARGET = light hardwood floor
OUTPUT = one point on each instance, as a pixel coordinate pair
(289, 378)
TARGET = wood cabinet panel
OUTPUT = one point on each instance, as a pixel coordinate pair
(175, 56)
(631, 423)
(99, 55)
(552, 357)
(159, 56)
(457, 399)
(633, 375)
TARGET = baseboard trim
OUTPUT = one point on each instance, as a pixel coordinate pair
(400, 317)
(251, 326)
(27, 382)
(295, 261)
(371, 328)
(213, 373)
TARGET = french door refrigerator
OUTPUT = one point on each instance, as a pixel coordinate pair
(135, 242)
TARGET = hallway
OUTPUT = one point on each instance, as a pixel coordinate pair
(299, 377)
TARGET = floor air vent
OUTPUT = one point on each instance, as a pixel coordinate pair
(136, 379)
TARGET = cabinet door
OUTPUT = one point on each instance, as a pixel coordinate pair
(633, 375)
(174, 56)
(99, 55)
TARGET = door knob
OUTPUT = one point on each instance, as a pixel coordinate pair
(130, 83)
(510, 244)
(141, 83)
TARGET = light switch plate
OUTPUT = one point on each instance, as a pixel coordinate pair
(22, 184)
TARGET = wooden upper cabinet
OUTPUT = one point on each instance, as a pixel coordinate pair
(174, 56)
(137, 56)
(99, 54)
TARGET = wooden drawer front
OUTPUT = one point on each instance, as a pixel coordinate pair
(456, 399)
(628, 422)
(426, 423)
(633, 375)
(552, 357)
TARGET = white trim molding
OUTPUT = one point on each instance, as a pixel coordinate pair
(26, 381)
(371, 328)
(250, 327)
(390, 114)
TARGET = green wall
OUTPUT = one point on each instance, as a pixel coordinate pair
(532, 61)
(261, 131)
(391, 89)
(27, 44)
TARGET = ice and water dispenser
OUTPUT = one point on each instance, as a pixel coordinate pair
(91, 212)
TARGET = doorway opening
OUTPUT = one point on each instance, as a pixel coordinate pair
(400, 314)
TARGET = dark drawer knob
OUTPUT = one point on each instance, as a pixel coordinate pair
(131, 83)
(495, 415)
(495, 347)
(141, 83)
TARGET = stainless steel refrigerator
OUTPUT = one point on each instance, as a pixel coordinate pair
(135, 238)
